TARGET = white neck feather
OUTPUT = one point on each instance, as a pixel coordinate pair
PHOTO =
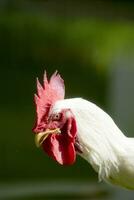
(100, 138)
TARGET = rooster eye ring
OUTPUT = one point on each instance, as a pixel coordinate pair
(56, 116)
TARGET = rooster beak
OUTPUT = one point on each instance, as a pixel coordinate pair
(40, 137)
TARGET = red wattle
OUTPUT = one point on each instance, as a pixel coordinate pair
(61, 150)
(61, 146)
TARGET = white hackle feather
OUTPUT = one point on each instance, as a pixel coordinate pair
(104, 146)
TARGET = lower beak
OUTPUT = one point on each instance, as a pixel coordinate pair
(40, 137)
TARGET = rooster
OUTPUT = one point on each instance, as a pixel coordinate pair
(66, 127)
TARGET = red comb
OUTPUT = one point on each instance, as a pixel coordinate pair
(48, 94)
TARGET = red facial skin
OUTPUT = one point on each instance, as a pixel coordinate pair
(61, 146)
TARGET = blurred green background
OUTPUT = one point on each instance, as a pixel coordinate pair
(91, 44)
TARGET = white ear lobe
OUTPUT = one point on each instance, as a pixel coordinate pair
(68, 114)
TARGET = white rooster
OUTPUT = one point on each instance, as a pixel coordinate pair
(65, 127)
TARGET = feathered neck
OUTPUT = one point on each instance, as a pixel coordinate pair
(100, 139)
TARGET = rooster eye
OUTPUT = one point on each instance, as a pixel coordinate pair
(56, 116)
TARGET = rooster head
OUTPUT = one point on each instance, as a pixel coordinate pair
(54, 130)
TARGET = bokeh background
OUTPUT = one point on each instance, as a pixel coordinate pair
(91, 44)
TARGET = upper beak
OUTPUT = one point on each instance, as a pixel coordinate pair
(40, 137)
